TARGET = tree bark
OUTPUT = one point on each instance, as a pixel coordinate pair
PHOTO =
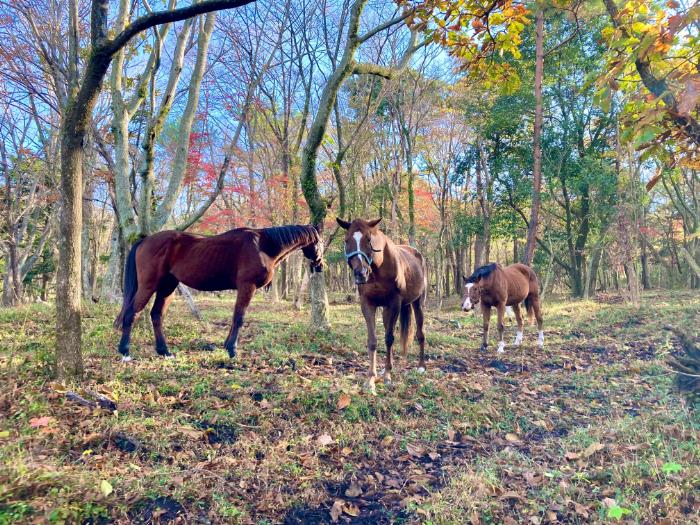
(529, 252)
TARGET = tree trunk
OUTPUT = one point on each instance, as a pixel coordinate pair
(537, 141)
(189, 300)
(301, 291)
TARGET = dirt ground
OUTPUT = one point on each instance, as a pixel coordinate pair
(589, 430)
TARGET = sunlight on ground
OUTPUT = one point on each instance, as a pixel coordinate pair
(585, 430)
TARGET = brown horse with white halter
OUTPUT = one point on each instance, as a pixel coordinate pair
(495, 286)
(391, 276)
(242, 259)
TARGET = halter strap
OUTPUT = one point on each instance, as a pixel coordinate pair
(362, 255)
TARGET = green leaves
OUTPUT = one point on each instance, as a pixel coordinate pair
(671, 468)
(616, 512)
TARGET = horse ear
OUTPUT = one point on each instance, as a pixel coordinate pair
(342, 223)
(373, 223)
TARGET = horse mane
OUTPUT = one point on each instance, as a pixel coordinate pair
(481, 272)
(274, 239)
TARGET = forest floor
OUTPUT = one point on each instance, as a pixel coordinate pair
(588, 430)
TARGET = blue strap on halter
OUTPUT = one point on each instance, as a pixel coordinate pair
(362, 255)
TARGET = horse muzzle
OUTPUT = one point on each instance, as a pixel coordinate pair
(361, 276)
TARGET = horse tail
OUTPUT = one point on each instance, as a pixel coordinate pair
(131, 285)
(533, 293)
(530, 308)
(405, 327)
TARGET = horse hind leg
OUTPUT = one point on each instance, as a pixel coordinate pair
(405, 328)
(164, 295)
(131, 314)
(243, 297)
(420, 335)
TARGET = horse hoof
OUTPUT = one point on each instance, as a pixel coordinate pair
(371, 388)
(421, 370)
(168, 356)
(501, 348)
(126, 358)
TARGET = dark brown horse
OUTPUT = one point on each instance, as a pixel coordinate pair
(393, 277)
(243, 259)
(495, 286)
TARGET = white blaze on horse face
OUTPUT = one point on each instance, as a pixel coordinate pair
(540, 339)
(467, 301)
(358, 237)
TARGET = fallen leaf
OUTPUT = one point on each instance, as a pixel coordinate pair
(512, 438)
(336, 510)
(105, 488)
(191, 432)
(353, 490)
(386, 441)
(609, 502)
(571, 456)
(324, 440)
(37, 422)
(4, 434)
(343, 401)
(433, 456)
(592, 449)
(511, 495)
(351, 509)
(415, 450)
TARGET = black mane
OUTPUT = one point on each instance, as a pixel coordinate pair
(274, 239)
(481, 272)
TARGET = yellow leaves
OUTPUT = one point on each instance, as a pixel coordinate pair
(105, 488)
(640, 27)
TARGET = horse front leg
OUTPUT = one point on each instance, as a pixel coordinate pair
(501, 311)
(369, 311)
(390, 315)
(244, 296)
(486, 314)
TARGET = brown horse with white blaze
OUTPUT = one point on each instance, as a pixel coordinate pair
(495, 286)
(391, 276)
(243, 259)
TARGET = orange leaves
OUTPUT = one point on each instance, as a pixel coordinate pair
(343, 401)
